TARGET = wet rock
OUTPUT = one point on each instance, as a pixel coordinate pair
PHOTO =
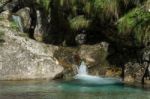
(22, 58)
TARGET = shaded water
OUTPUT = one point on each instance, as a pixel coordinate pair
(74, 89)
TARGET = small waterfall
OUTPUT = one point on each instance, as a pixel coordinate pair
(18, 21)
(90, 79)
(82, 70)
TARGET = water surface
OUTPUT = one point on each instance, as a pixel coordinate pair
(74, 89)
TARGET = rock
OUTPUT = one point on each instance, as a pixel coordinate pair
(3, 2)
(39, 31)
(4, 16)
(138, 72)
(96, 54)
(22, 58)
(134, 72)
(80, 38)
(15, 5)
(95, 57)
(11, 5)
(24, 13)
(146, 60)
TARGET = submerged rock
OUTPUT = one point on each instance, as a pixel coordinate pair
(23, 58)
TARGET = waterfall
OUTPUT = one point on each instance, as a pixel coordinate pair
(90, 79)
(18, 21)
(82, 70)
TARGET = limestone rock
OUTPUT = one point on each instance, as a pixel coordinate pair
(23, 58)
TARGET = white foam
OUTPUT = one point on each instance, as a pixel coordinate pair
(84, 76)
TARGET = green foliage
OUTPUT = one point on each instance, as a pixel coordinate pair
(129, 2)
(1, 37)
(79, 22)
(14, 25)
(44, 3)
(131, 17)
(136, 24)
(106, 8)
(1, 18)
(1, 34)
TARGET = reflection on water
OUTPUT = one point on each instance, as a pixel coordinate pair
(68, 90)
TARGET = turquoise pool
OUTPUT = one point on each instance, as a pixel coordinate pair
(68, 90)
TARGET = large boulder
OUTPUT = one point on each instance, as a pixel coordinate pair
(23, 58)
